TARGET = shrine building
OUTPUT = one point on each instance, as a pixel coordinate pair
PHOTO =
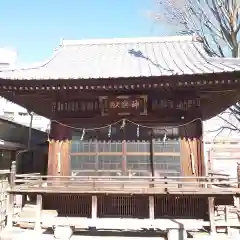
(127, 107)
(93, 83)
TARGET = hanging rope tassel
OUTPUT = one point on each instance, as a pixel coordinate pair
(137, 130)
(164, 138)
(109, 131)
(83, 134)
(123, 123)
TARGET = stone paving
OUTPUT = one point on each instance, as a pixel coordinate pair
(23, 234)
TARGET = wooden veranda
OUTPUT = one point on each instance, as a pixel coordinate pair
(93, 198)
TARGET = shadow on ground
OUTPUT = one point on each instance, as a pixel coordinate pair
(107, 233)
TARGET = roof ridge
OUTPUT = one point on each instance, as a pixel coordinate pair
(129, 40)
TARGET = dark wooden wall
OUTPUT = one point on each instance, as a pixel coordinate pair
(33, 161)
(64, 140)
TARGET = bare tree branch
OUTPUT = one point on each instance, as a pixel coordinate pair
(217, 22)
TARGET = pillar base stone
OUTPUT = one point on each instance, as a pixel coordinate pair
(176, 234)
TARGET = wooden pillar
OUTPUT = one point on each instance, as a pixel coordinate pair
(152, 156)
(152, 159)
(176, 234)
(96, 158)
(226, 215)
(151, 207)
(211, 213)
(94, 210)
(10, 200)
(37, 226)
(191, 149)
(209, 162)
(13, 174)
(238, 174)
(237, 199)
(10, 210)
(124, 158)
(59, 150)
(124, 153)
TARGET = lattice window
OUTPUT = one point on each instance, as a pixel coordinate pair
(110, 163)
(167, 165)
(168, 146)
(109, 146)
(83, 162)
(138, 163)
(138, 146)
(83, 146)
(122, 157)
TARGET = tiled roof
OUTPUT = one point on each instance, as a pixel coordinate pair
(123, 58)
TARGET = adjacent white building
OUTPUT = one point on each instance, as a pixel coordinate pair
(20, 115)
(221, 144)
(7, 57)
(13, 111)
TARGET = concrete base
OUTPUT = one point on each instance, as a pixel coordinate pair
(127, 224)
(20, 234)
(63, 232)
(176, 234)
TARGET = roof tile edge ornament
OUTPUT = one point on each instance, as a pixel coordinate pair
(197, 38)
(61, 42)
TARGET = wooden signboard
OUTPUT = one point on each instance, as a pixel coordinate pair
(175, 104)
(133, 105)
(123, 105)
(76, 108)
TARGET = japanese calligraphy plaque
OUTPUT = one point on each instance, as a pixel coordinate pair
(123, 105)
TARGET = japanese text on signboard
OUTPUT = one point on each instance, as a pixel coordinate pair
(124, 105)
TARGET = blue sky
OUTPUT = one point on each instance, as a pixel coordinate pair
(34, 27)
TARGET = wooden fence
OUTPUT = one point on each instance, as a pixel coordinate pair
(222, 157)
(125, 185)
(121, 197)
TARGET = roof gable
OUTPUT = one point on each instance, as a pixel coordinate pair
(124, 58)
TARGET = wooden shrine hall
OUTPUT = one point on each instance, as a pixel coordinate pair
(126, 108)
(172, 80)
